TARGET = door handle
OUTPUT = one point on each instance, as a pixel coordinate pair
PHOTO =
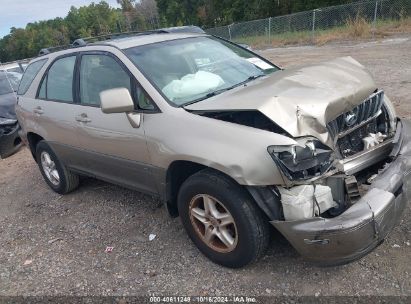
(38, 110)
(83, 118)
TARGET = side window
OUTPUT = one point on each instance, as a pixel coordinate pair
(59, 80)
(31, 72)
(99, 73)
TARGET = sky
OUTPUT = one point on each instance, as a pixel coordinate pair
(18, 13)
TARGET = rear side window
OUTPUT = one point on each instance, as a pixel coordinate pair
(28, 77)
(58, 84)
(99, 73)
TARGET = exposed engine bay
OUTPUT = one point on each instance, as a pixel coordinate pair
(341, 190)
(342, 155)
(254, 119)
(363, 128)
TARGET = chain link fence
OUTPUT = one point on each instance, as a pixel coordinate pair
(308, 24)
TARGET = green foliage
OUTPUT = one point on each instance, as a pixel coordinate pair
(140, 15)
(210, 13)
(86, 21)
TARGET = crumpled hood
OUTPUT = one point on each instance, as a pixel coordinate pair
(7, 105)
(300, 100)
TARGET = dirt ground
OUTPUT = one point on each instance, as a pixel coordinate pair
(55, 245)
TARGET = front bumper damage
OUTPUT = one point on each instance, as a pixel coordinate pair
(10, 141)
(363, 226)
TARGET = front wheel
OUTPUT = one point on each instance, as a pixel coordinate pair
(222, 220)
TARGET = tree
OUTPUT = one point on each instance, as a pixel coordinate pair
(86, 21)
(222, 12)
(99, 19)
(149, 12)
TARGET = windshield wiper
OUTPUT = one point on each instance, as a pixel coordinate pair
(253, 77)
(217, 92)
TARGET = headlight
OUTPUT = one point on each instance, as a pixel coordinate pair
(308, 159)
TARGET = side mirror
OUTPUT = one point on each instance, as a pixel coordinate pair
(116, 101)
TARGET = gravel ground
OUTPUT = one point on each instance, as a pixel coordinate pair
(55, 245)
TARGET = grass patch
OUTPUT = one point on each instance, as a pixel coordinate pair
(358, 27)
(355, 29)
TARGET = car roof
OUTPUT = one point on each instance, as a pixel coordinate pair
(147, 38)
(121, 42)
(125, 42)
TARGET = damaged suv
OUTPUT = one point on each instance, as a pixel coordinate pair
(229, 141)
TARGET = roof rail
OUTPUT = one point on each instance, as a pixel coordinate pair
(79, 42)
(177, 29)
(185, 29)
(84, 41)
(122, 35)
(44, 52)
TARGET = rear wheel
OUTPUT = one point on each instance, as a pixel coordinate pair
(222, 220)
(56, 175)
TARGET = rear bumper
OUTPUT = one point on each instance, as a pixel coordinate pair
(363, 226)
(9, 140)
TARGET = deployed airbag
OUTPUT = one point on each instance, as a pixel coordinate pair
(307, 201)
(192, 84)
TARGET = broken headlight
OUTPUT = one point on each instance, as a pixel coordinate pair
(308, 159)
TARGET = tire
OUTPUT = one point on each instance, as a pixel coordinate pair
(249, 230)
(67, 181)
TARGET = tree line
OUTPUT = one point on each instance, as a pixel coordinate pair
(210, 13)
(86, 21)
(138, 15)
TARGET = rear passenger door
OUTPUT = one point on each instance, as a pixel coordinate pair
(54, 109)
(114, 150)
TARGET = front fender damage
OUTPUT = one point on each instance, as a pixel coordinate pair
(363, 226)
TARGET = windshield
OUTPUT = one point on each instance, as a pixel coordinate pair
(193, 69)
(9, 82)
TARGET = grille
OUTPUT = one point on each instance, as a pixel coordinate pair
(357, 116)
(352, 143)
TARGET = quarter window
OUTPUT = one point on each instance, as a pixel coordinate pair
(99, 73)
(28, 77)
(144, 102)
(42, 92)
(59, 80)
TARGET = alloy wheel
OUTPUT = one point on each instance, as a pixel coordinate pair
(49, 168)
(213, 223)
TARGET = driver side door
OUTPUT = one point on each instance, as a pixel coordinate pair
(113, 149)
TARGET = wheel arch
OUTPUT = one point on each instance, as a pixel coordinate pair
(33, 139)
(179, 171)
